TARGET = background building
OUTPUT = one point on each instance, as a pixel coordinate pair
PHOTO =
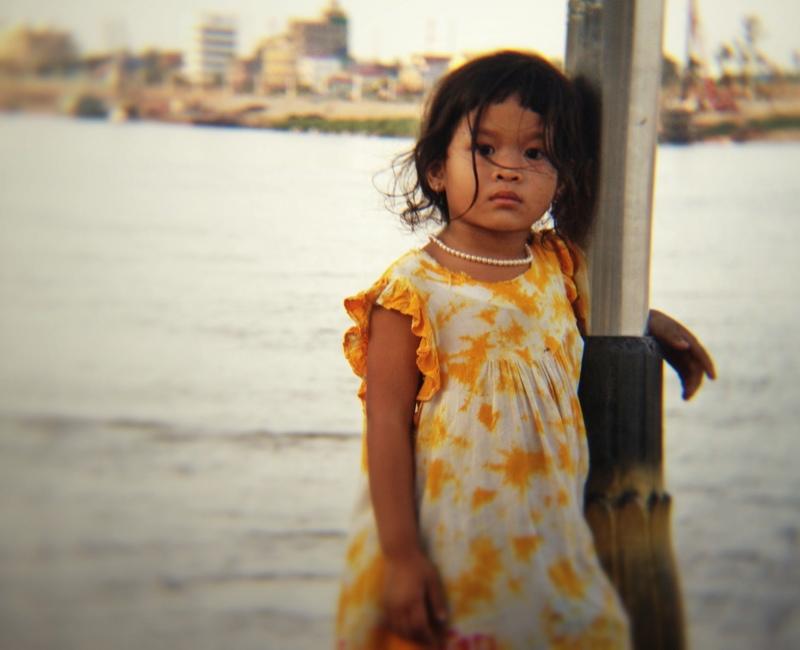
(313, 72)
(213, 51)
(39, 51)
(278, 65)
(325, 37)
(307, 54)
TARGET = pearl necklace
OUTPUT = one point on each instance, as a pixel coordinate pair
(493, 261)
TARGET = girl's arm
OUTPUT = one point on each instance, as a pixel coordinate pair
(413, 595)
(682, 351)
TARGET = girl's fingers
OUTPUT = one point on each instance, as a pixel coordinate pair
(692, 381)
(396, 622)
(699, 353)
(418, 624)
(670, 332)
(437, 601)
(688, 368)
(700, 357)
(705, 360)
(689, 358)
(676, 335)
(401, 622)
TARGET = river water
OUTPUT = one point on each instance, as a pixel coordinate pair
(178, 429)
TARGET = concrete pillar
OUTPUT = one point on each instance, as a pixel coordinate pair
(614, 48)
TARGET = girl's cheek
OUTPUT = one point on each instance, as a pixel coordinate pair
(466, 154)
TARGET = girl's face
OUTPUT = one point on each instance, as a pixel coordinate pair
(516, 182)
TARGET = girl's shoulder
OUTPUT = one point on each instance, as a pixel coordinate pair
(403, 272)
(398, 289)
(408, 264)
(414, 267)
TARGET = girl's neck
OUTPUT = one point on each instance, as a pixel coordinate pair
(485, 243)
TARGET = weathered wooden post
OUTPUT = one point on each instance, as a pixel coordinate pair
(615, 47)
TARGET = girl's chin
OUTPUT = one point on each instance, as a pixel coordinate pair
(498, 223)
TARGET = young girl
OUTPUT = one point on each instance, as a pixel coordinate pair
(470, 530)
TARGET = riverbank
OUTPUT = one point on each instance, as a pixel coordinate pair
(773, 120)
(211, 108)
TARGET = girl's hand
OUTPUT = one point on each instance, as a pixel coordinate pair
(413, 600)
(682, 351)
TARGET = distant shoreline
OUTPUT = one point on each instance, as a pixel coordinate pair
(754, 121)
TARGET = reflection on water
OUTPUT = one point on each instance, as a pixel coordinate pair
(171, 320)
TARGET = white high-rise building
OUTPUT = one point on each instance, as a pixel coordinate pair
(213, 50)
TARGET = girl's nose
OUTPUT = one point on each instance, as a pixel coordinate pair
(506, 174)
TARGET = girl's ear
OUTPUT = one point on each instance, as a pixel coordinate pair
(435, 176)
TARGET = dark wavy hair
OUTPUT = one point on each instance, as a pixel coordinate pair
(469, 90)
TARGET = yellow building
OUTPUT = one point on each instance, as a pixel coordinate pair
(278, 65)
(29, 50)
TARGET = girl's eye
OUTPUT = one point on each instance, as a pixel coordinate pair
(484, 149)
(534, 154)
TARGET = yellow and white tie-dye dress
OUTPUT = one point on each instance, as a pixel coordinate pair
(501, 459)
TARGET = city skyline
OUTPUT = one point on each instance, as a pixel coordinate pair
(389, 31)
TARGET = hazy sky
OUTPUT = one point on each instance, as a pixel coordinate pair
(388, 29)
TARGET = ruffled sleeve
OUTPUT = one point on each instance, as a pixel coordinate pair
(576, 277)
(397, 294)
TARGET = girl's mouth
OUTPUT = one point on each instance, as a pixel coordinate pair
(505, 196)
